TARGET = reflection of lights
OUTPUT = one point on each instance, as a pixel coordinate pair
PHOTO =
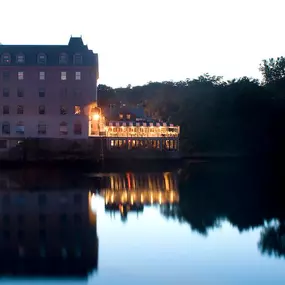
(160, 198)
(142, 198)
(96, 117)
(93, 203)
(112, 198)
(151, 198)
(171, 196)
(132, 200)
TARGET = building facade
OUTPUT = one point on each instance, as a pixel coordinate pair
(47, 91)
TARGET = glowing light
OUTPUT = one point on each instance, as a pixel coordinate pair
(96, 117)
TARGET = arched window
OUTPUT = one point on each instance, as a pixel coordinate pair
(6, 128)
(77, 59)
(20, 58)
(20, 128)
(42, 58)
(6, 58)
(63, 58)
(77, 128)
(63, 128)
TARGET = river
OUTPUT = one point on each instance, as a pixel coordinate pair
(208, 223)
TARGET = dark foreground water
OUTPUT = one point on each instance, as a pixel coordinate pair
(209, 223)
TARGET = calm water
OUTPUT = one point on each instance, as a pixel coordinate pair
(219, 223)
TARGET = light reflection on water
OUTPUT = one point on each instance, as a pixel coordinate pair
(120, 229)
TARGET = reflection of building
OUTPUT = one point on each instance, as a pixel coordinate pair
(130, 192)
(46, 233)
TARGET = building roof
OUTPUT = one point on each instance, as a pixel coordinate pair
(52, 52)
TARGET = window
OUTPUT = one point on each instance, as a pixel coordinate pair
(42, 110)
(6, 58)
(128, 116)
(21, 75)
(121, 116)
(42, 59)
(63, 128)
(42, 75)
(6, 75)
(42, 92)
(42, 128)
(63, 58)
(20, 58)
(77, 110)
(3, 144)
(20, 92)
(77, 59)
(63, 110)
(63, 75)
(77, 75)
(20, 109)
(6, 110)
(6, 92)
(77, 128)
(6, 128)
(20, 129)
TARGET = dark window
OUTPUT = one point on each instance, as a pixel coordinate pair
(42, 219)
(6, 235)
(3, 144)
(42, 199)
(77, 59)
(20, 109)
(42, 110)
(6, 58)
(63, 110)
(6, 220)
(63, 130)
(6, 75)
(20, 92)
(77, 199)
(6, 128)
(6, 110)
(42, 92)
(77, 128)
(6, 92)
(42, 59)
(21, 235)
(42, 129)
(20, 128)
(21, 219)
(20, 58)
(63, 58)
(42, 235)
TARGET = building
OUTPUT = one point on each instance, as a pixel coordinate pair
(47, 91)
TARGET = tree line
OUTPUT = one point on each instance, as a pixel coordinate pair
(239, 116)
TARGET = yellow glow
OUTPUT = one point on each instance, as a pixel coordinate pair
(112, 198)
(96, 117)
(160, 198)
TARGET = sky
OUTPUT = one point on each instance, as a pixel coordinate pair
(155, 40)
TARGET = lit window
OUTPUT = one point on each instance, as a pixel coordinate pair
(77, 75)
(20, 129)
(6, 75)
(77, 129)
(42, 75)
(21, 75)
(42, 92)
(63, 128)
(128, 116)
(63, 58)
(6, 128)
(77, 59)
(42, 110)
(20, 109)
(77, 110)
(42, 128)
(6, 110)
(121, 116)
(6, 92)
(20, 58)
(63, 75)
(42, 59)
(6, 58)
(20, 92)
(63, 110)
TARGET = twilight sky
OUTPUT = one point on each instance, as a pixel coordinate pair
(155, 40)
